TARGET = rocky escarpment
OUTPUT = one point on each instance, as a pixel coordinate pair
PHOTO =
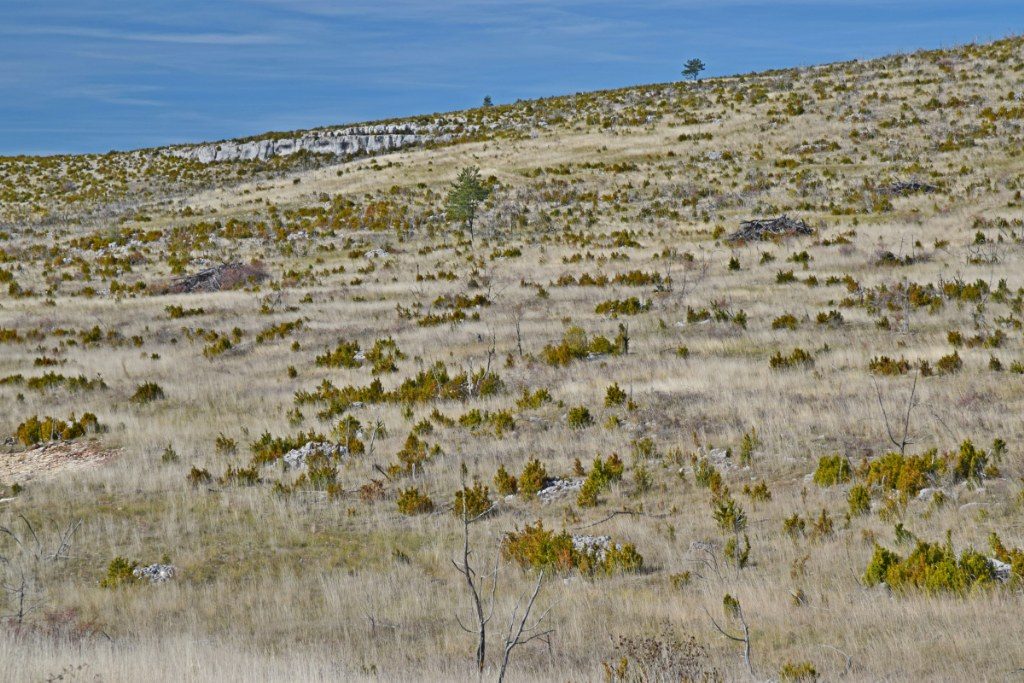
(344, 142)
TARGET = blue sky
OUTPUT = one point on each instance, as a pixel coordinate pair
(96, 75)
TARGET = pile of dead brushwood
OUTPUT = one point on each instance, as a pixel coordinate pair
(905, 187)
(222, 277)
(761, 229)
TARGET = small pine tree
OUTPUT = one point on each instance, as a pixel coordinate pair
(464, 197)
(692, 68)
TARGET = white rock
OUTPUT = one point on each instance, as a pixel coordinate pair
(719, 454)
(156, 573)
(559, 487)
(346, 142)
(592, 545)
(1002, 569)
(296, 458)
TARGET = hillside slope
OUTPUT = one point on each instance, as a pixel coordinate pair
(825, 427)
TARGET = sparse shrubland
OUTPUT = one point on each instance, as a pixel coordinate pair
(651, 415)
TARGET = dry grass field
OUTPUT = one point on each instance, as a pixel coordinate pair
(767, 414)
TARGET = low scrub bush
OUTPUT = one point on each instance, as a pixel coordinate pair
(615, 396)
(579, 417)
(412, 502)
(932, 568)
(883, 365)
(832, 470)
(472, 501)
(120, 572)
(786, 321)
(35, 431)
(147, 393)
(538, 548)
(504, 483)
(532, 479)
(576, 345)
(617, 307)
(906, 474)
(602, 474)
(797, 358)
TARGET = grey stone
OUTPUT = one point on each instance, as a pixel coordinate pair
(156, 573)
(296, 458)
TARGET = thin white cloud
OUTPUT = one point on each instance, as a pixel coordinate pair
(175, 38)
(133, 96)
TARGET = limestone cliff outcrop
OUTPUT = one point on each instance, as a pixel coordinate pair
(344, 142)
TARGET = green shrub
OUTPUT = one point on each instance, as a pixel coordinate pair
(278, 331)
(748, 444)
(602, 474)
(321, 475)
(384, 356)
(949, 365)
(501, 421)
(883, 365)
(198, 477)
(579, 417)
(147, 393)
(859, 500)
(240, 476)
(344, 355)
(412, 502)
(758, 492)
(1012, 556)
(538, 548)
(798, 671)
(738, 554)
(505, 483)
(432, 384)
(729, 515)
(823, 526)
(587, 497)
(413, 454)
(932, 568)
(907, 474)
(176, 312)
(225, 445)
(169, 455)
(532, 479)
(616, 307)
(797, 357)
(535, 400)
(615, 396)
(576, 345)
(119, 573)
(707, 475)
(833, 318)
(472, 500)
(794, 526)
(268, 449)
(832, 470)
(970, 463)
(35, 431)
(786, 321)
(217, 347)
